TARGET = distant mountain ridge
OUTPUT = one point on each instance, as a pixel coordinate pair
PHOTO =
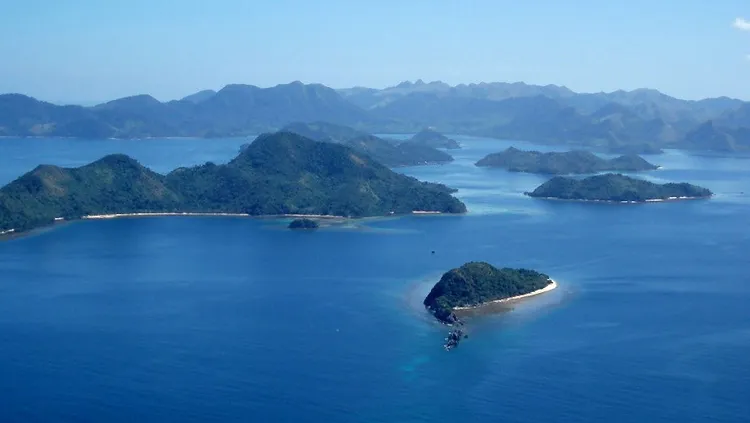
(235, 110)
(548, 114)
(586, 103)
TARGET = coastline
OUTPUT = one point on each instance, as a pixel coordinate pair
(14, 233)
(651, 200)
(153, 214)
(552, 285)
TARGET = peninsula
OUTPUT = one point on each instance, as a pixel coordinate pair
(277, 174)
(478, 283)
(389, 153)
(616, 188)
(431, 138)
(642, 148)
(570, 162)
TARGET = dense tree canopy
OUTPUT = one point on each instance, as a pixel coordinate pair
(431, 138)
(554, 163)
(615, 187)
(475, 283)
(388, 152)
(281, 173)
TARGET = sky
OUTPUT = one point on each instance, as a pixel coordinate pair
(88, 51)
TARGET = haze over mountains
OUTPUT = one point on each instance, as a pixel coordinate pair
(546, 114)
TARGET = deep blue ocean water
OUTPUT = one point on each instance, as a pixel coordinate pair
(188, 319)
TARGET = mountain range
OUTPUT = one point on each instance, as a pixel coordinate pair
(545, 114)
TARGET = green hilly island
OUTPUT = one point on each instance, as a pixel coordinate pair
(391, 154)
(324, 131)
(638, 148)
(279, 173)
(432, 138)
(476, 283)
(616, 188)
(554, 163)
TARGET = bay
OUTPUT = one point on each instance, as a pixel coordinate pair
(233, 319)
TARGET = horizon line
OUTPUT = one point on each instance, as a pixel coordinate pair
(416, 82)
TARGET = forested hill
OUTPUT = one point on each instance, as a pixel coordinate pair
(279, 173)
(391, 153)
(616, 188)
(431, 138)
(476, 283)
(555, 163)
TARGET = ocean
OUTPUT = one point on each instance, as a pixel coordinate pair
(231, 319)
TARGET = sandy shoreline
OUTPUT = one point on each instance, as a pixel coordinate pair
(153, 214)
(547, 288)
(7, 233)
(654, 200)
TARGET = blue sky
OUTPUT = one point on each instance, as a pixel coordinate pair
(93, 50)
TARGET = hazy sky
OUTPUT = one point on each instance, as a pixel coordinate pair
(92, 50)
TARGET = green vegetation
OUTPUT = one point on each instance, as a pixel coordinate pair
(434, 139)
(632, 149)
(562, 163)
(324, 131)
(303, 224)
(616, 188)
(403, 154)
(476, 283)
(391, 154)
(281, 173)
(710, 136)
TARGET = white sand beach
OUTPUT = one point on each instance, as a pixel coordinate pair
(148, 214)
(312, 216)
(151, 214)
(653, 200)
(552, 285)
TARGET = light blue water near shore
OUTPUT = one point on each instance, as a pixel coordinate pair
(231, 319)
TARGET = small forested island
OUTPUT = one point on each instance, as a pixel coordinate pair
(434, 139)
(398, 155)
(277, 174)
(478, 283)
(570, 162)
(324, 131)
(642, 148)
(391, 154)
(616, 188)
(303, 223)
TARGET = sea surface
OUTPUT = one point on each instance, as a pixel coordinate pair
(200, 319)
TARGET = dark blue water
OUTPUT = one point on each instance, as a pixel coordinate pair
(229, 319)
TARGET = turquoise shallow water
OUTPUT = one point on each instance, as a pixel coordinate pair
(234, 319)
